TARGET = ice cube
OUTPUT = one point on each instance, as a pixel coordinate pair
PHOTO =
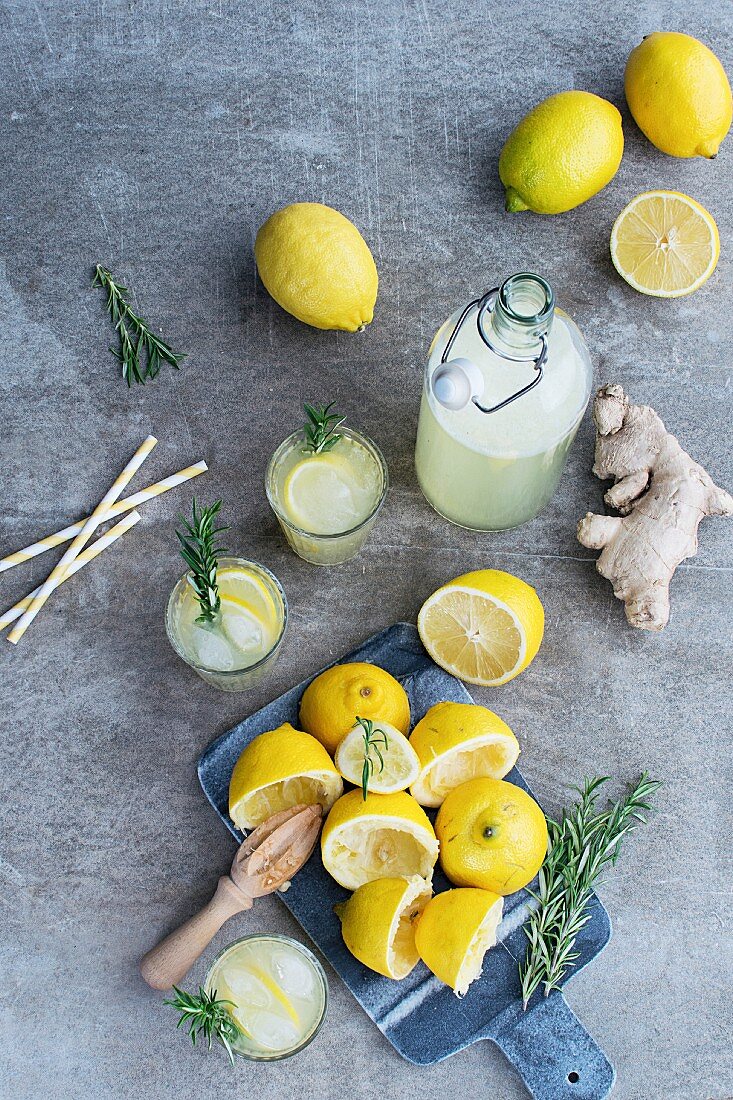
(241, 627)
(213, 651)
(247, 990)
(292, 974)
(268, 1030)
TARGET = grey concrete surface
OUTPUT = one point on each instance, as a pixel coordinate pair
(155, 137)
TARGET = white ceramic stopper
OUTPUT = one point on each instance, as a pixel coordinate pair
(456, 382)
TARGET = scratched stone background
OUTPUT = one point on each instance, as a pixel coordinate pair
(155, 137)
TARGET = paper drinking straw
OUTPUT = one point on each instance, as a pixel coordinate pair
(99, 514)
(84, 558)
(117, 509)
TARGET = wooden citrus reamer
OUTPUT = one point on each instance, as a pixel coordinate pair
(267, 859)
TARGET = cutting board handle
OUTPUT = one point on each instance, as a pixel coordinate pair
(553, 1053)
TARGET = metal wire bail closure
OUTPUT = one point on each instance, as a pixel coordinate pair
(453, 385)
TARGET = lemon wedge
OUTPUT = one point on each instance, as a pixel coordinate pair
(394, 763)
(279, 769)
(456, 930)
(456, 742)
(382, 836)
(665, 244)
(378, 923)
(484, 627)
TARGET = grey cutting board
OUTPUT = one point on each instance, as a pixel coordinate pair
(424, 1021)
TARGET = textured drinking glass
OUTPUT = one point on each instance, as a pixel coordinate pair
(265, 949)
(336, 547)
(264, 595)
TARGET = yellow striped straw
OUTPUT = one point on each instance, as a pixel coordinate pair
(84, 558)
(117, 509)
(100, 513)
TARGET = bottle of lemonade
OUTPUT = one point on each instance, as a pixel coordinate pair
(507, 382)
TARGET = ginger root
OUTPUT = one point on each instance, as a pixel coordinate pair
(661, 495)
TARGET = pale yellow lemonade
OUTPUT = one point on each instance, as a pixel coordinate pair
(327, 502)
(278, 992)
(245, 633)
(493, 471)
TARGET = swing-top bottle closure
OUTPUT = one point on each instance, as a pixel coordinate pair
(513, 321)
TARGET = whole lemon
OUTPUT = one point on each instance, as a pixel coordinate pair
(679, 94)
(562, 153)
(492, 835)
(317, 266)
(332, 702)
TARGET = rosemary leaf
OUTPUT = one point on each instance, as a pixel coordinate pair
(140, 351)
(582, 845)
(207, 1016)
(374, 741)
(320, 428)
(198, 550)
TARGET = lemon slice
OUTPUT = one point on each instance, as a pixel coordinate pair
(384, 836)
(378, 923)
(456, 742)
(247, 591)
(484, 627)
(279, 769)
(455, 931)
(665, 244)
(322, 495)
(394, 763)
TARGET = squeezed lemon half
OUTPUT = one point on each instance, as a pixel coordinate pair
(279, 769)
(378, 923)
(384, 836)
(456, 742)
(455, 931)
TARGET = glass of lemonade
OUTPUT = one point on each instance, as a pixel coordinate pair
(235, 650)
(278, 991)
(327, 502)
(507, 383)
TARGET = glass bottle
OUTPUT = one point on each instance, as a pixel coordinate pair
(507, 382)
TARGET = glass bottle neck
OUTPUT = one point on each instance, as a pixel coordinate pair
(523, 312)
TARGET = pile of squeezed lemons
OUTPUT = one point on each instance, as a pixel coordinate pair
(489, 835)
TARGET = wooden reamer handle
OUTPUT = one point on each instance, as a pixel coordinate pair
(167, 964)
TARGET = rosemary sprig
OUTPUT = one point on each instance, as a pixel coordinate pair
(206, 1015)
(137, 342)
(374, 739)
(201, 555)
(583, 844)
(321, 428)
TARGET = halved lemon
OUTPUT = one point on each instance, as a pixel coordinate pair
(379, 753)
(382, 836)
(279, 769)
(665, 244)
(455, 931)
(457, 742)
(484, 627)
(378, 923)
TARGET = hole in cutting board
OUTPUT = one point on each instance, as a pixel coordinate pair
(573, 1077)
